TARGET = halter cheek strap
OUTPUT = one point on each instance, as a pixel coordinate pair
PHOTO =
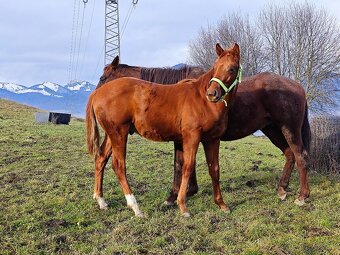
(232, 86)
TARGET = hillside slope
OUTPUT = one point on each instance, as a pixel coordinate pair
(46, 206)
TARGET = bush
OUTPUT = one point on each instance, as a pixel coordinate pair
(325, 146)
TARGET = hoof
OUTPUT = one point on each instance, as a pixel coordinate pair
(226, 210)
(103, 207)
(282, 196)
(101, 202)
(167, 203)
(282, 193)
(140, 215)
(186, 215)
(299, 202)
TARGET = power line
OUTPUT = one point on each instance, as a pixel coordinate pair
(72, 38)
(98, 61)
(75, 40)
(80, 38)
(126, 20)
(87, 39)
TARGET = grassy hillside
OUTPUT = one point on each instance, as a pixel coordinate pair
(46, 206)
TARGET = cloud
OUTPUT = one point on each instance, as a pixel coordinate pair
(35, 42)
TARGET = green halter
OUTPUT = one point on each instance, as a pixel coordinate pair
(225, 88)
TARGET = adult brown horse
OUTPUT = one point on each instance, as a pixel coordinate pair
(179, 113)
(268, 102)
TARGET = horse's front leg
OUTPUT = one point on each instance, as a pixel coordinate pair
(190, 145)
(100, 163)
(178, 164)
(211, 149)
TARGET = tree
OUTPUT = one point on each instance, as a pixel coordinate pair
(297, 40)
(232, 28)
(302, 43)
(202, 50)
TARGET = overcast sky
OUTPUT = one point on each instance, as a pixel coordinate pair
(36, 35)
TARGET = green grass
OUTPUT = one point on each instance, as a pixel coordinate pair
(46, 206)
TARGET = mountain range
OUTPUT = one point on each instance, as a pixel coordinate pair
(71, 98)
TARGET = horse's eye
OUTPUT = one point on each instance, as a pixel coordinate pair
(231, 70)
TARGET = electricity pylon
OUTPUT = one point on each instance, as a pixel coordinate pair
(112, 38)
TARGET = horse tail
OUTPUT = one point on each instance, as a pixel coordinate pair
(92, 131)
(305, 131)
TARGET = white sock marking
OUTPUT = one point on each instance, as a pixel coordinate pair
(132, 202)
(101, 202)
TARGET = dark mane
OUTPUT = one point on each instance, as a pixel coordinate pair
(168, 75)
(126, 66)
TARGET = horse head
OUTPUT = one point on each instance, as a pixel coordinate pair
(226, 74)
(109, 72)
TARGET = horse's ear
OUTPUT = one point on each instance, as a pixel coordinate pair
(115, 62)
(236, 49)
(219, 49)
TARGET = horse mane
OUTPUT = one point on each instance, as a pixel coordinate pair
(127, 66)
(166, 75)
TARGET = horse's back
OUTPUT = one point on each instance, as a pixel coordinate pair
(283, 99)
(262, 100)
(115, 99)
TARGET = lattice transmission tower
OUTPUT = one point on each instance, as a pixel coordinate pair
(112, 38)
(112, 33)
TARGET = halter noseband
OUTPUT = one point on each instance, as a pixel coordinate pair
(232, 86)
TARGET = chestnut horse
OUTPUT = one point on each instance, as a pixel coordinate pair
(188, 112)
(271, 103)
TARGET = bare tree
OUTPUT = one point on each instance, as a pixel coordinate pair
(232, 28)
(302, 42)
(202, 50)
(297, 40)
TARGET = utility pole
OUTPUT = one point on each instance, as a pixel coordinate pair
(112, 34)
(112, 40)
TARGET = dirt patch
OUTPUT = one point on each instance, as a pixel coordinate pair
(54, 223)
(12, 178)
(256, 164)
(315, 231)
(10, 160)
(251, 183)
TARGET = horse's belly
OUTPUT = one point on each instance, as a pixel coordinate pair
(156, 132)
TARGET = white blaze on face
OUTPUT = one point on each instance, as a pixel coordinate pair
(132, 202)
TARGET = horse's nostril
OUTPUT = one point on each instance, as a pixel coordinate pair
(212, 93)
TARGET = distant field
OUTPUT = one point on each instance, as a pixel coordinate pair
(46, 206)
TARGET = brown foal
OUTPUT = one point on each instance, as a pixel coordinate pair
(196, 111)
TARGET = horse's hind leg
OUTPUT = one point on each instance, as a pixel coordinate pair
(294, 140)
(100, 163)
(276, 137)
(119, 140)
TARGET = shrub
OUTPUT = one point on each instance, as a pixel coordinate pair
(325, 146)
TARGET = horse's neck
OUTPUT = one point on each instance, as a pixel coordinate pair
(202, 82)
(163, 75)
(129, 71)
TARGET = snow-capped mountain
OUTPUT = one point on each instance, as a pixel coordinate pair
(11, 87)
(80, 86)
(50, 96)
(49, 89)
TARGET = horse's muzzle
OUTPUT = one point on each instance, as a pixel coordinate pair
(213, 95)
